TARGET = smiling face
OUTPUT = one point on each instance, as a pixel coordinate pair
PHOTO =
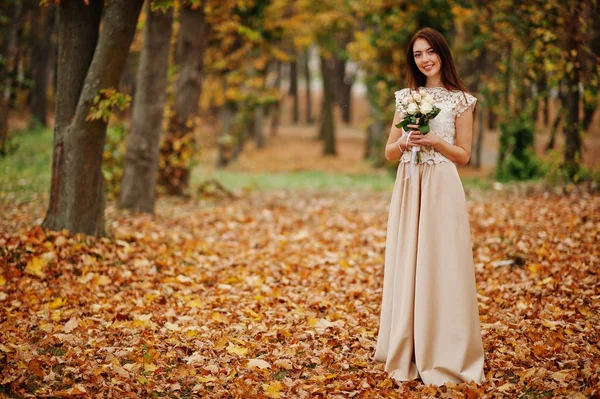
(427, 60)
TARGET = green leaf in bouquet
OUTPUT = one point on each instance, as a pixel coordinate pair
(403, 124)
(424, 129)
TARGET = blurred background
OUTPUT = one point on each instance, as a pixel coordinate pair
(286, 94)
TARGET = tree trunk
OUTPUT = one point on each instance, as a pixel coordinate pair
(294, 91)
(8, 65)
(375, 135)
(179, 144)
(343, 90)
(138, 187)
(276, 107)
(327, 131)
(479, 146)
(309, 118)
(77, 185)
(572, 155)
(559, 115)
(41, 67)
(492, 119)
(259, 126)
(227, 140)
(507, 78)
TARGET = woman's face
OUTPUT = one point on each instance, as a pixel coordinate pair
(427, 60)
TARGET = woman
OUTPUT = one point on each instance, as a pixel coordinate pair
(429, 325)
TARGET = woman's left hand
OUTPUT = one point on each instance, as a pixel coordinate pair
(428, 139)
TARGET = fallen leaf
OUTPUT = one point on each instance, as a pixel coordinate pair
(35, 267)
(258, 363)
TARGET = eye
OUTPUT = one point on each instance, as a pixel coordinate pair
(417, 55)
(431, 51)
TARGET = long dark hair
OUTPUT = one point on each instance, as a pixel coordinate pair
(415, 78)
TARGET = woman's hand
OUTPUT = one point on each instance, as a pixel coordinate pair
(418, 139)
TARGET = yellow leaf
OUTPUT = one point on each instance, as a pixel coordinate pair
(238, 350)
(387, 383)
(533, 268)
(150, 367)
(36, 266)
(56, 316)
(221, 343)
(210, 378)
(217, 317)
(2, 281)
(195, 303)
(57, 303)
(273, 390)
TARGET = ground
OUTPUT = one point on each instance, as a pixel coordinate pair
(275, 291)
(276, 294)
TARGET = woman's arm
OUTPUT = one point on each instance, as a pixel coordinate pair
(460, 152)
(395, 146)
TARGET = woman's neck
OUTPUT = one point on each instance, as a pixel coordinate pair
(434, 81)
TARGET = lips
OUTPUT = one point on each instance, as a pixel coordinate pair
(428, 67)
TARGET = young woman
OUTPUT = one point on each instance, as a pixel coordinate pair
(429, 327)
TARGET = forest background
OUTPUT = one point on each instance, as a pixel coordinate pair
(215, 115)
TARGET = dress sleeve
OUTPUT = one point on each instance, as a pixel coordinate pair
(465, 101)
(400, 94)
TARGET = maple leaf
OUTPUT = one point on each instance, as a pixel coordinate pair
(71, 325)
(258, 363)
(58, 302)
(35, 267)
(273, 390)
(238, 350)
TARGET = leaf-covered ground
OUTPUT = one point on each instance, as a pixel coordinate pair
(276, 294)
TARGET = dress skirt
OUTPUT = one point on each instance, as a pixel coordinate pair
(429, 324)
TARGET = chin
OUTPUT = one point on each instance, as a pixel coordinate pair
(431, 73)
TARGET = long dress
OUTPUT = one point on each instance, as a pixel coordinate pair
(429, 323)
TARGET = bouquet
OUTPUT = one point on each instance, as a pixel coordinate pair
(418, 109)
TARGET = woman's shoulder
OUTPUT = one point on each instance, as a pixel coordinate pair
(402, 92)
(463, 101)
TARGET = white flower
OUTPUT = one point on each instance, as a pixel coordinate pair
(422, 93)
(426, 107)
(405, 101)
(428, 97)
(416, 97)
(412, 109)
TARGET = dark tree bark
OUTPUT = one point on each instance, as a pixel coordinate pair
(227, 141)
(492, 119)
(343, 90)
(573, 141)
(276, 107)
(87, 63)
(259, 126)
(141, 156)
(175, 175)
(479, 144)
(309, 118)
(552, 141)
(8, 56)
(327, 128)
(294, 91)
(41, 66)
(375, 134)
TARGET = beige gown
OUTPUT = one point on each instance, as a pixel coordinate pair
(429, 325)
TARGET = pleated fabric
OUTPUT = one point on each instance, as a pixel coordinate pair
(429, 324)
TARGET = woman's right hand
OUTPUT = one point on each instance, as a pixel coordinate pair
(403, 138)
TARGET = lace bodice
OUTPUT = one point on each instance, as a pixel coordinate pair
(452, 105)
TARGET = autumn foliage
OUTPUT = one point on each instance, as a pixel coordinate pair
(276, 294)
